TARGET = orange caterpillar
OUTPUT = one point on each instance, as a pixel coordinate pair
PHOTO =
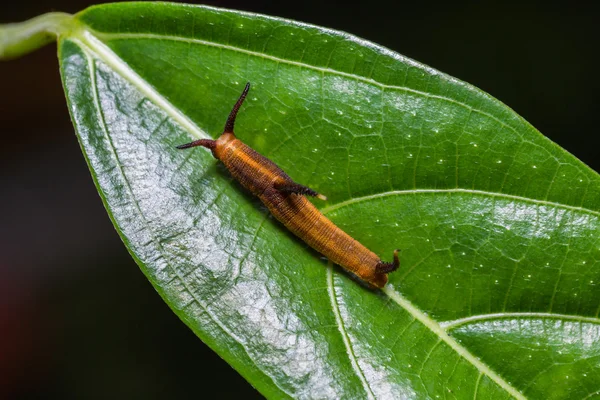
(285, 199)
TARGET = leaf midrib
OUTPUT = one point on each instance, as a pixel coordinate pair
(435, 328)
(104, 53)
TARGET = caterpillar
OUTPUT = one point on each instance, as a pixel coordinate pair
(286, 200)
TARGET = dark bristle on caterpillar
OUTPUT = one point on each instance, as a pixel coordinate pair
(285, 200)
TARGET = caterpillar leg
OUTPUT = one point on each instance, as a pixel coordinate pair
(385, 267)
(293, 187)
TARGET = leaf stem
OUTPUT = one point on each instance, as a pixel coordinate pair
(21, 38)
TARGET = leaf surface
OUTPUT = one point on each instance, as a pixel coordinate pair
(497, 292)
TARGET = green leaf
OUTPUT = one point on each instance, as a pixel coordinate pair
(499, 228)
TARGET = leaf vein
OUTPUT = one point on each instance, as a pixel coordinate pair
(340, 324)
(354, 200)
(449, 325)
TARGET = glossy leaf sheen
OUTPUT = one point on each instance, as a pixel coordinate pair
(497, 293)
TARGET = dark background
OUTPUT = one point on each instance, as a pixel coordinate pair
(78, 320)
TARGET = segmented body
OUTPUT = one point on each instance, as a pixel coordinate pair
(259, 175)
(285, 199)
